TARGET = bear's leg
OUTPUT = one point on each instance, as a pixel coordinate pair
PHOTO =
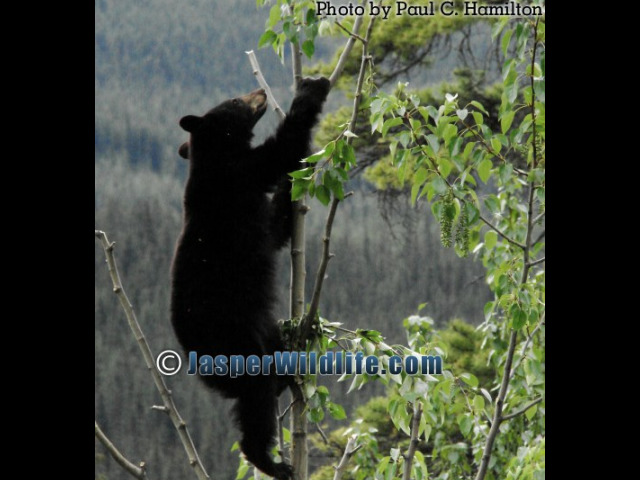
(281, 214)
(256, 416)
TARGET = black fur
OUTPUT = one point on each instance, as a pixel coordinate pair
(223, 269)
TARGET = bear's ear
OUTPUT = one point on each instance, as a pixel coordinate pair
(183, 151)
(190, 123)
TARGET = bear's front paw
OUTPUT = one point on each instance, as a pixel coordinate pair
(317, 87)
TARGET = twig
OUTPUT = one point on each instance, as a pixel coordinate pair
(309, 318)
(536, 262)
(501, 233)
(413, 444)
(349, 450)
(342, 61)
(263, 83)
(322, 434)
(527, 343)
(352, 34)
(522, 410)
(165, 393)
(138, 472)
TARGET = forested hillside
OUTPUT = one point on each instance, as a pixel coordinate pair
(157, 60)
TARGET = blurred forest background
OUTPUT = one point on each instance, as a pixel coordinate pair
(157, 60)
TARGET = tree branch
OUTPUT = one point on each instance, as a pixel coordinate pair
(138, 472)
(342, 61)
(309, 318)
(349, 450)
(298, 421)
(527, 343)
(352, 34)
(165, 393)
(536, 262)
(413, 444)
(521, 411)
(506, 376)
(263, 83)
(499, 232)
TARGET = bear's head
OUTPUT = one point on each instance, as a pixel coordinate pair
(231, 122)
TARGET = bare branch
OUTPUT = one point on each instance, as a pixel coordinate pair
(536, 262)
(413, 444)
(349, 450)
(263, 83)
(342, 61)
(138, 472)
(309, 318)
(322, 434)
(540, 237)
(165, 393)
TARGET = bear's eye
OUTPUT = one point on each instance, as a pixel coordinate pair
(235, 101)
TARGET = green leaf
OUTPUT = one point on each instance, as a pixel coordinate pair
(478, 403)
(530, 413)
(439, 185)
(479, 106)
(323, 194)
(433, 113)
(467, 149)
(316, 156)
(311, 17)
(507, 120)
(433, 143)
(337, 411)
(487, 395)
(492, 203)
(308, 48)
(304, 173)
(484, 169)
(299, 189)
(274, 16)
(242, 471)
(518, 316)
(496, 145)
(469, 379)
(449, 132)
(506, 39)
(389, 123)
(418, 179)
(490, 239)
(477, 116)
(267, 38)
(444, 166)
(466, 424)
(315, 415)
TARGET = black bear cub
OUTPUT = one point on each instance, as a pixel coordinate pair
(223, 269)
